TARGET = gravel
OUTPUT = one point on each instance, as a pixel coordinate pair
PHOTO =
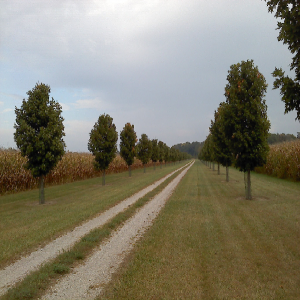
(22, 267)
(88, 280)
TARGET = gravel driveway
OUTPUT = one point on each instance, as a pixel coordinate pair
(87, 280)
(18, 270)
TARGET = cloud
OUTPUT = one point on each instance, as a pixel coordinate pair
(7, 110)
(95, 103)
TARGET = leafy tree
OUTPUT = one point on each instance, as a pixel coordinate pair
(161, 152)
(222, 152)
(289, 32)
(103, 143)
(174, 154)
(245, 119)
(155, 152)
(144, 150)
(167, 153)
(127, 145)
(39, 133)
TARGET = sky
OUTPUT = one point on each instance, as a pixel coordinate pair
(160, 65)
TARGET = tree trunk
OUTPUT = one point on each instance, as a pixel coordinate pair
(213, 166)
(42, 191)
(218, 168)
(129, 169)
(248, 186)
(161, 165)
(103, 178)
(227, 174)
(144, 168)
(154, 166)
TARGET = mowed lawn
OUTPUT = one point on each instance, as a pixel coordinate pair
(211, 243)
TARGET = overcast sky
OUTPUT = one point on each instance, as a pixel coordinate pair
(160, 65)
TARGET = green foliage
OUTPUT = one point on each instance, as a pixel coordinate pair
(191, 148)
(245, 119)
(127, 145)
(174, 154)
(222, 153)
(39, 131)
(280, 138)
(161, 151)
(155, 151)
(144, 149)
(207, 151)
(103, 142)
(289, 32)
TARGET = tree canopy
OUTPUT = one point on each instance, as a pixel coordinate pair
(144, 149)
(39, 132)
(127, 144)
(103, 143)
(289, 32)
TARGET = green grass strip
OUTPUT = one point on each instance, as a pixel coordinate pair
(35, 284)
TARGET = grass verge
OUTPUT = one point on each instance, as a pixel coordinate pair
(25, 225)
(210, 243)
(35, 284)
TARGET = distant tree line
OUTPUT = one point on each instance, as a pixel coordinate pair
(192, 149)
(280, 138)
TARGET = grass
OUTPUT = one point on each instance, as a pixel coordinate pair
(25, 225)
(210, 243)
(35, 284)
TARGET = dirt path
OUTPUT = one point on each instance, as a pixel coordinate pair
(87, 280)
(18, 270)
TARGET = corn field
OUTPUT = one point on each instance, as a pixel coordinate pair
(73, 166)
(283, 161)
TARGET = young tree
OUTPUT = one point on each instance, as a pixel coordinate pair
(247, 124)
(161, 152)
(103, 143)
(289, 32)
(39, 133)
(174, 154)
(223, 154)
(144, 150)
(155, 154)
(167, 153)
(127, 145)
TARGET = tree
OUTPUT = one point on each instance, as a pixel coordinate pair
(289, 32)
(245, 119)
(127, 145)
(222, 152)
(167, 153)
(174, 154)
(103, 143)
(155, 154)
(39, 133)
(161, 152)
(144, 150)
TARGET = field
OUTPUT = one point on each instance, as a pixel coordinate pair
(283, 161)
(207, 243)
(73, 167)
